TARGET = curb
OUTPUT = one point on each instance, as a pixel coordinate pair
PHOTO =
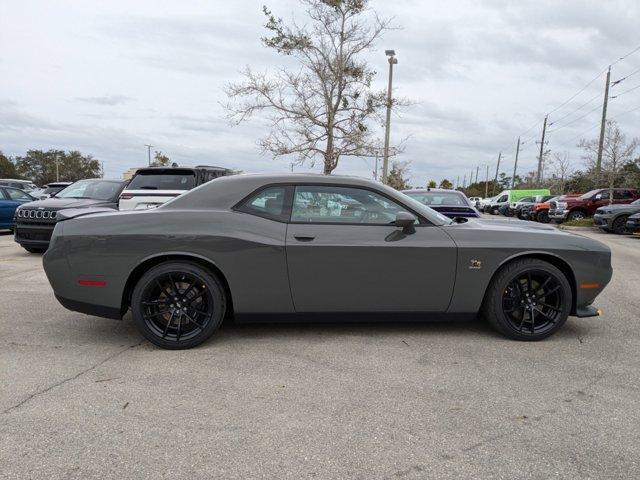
(578, 229)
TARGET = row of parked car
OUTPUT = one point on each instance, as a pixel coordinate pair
(617, 215)
(32, 212)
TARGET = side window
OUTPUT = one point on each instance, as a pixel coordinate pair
(3, 195)
(622, 195)
(268, 202)
(329, 204)
(604, 195)
(17, 194)
(502, 199)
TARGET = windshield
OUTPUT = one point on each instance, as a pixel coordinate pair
(180, 180)
(589, 194)
(94, 189)
(636, 202)
(438, 198)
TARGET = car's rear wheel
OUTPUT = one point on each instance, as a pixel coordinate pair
(528, 299)
(619, 225)
(178, 305)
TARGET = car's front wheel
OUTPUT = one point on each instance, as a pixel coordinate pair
(528, 299)
(178, 305)
(619, 225)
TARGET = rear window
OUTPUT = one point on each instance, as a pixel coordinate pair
(438, 198)
(181, 180)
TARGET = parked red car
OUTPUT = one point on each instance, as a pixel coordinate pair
(574, 208)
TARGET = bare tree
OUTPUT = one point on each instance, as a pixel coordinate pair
(560, 166)
(323, 110)
(397, 176)
(615, 154)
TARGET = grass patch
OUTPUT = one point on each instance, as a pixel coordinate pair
(583, 222)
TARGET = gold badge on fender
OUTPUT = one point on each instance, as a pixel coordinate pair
(475, 265)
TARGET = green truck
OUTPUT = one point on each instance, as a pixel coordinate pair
(510, 197)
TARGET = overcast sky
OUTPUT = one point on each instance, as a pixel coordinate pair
(106, 78)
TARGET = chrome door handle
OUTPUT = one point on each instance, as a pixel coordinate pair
(304, 238)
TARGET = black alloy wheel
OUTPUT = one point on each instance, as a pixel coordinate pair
(543, 216)
(178, 305)
(619, 225)
(529, 299)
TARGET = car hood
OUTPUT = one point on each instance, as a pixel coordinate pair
(618, 207)
(54, 203)
(513, 225)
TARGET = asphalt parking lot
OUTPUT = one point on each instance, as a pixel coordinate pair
(83, 397)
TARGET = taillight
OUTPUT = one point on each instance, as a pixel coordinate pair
(126, 196)
(92, 283)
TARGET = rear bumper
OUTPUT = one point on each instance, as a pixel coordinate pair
(90, 309)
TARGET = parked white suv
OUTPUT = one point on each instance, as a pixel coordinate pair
(153, 186)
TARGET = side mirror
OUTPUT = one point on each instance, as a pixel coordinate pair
(405, 221)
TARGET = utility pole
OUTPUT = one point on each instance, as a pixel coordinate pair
(515, 165)
(464, 181)
(102, 168)
(486, 183)
(544, 131)
(457, 181)
(477, 170)
(57, 168)
(495, 181)
(603, 125)
(149, 153)
(471, 178)
(385, 162)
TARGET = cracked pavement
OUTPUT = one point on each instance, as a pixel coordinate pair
(82, 397)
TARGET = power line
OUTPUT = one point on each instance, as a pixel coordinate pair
(577, 109)
(578, 92)
(626, 91)
(576, 119)
(613, 84)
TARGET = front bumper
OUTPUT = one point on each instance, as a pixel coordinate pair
(602, 221)
(33, 235)
(633, 225)
(588, 311)
(558, 214)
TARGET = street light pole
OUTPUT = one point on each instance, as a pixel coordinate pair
(149, 153)
(385, 162)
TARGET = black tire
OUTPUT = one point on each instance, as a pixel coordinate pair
(188, 293)
(619, 224)
(576, 215)
(35, 249)
(543, 216)
(548, 296)
(494, 211)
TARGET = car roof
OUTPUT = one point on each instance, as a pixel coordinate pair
(229, 190)
(17, 180)
(432, 190)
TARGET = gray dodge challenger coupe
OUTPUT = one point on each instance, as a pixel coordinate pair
(304, 246)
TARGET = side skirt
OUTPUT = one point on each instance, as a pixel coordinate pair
(355, 317)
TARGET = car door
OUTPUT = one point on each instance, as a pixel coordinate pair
(14, 198)
(622, 196)
(344, 255)
(6, 209)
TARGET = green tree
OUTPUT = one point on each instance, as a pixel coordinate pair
(160, 160)
(40, 167)
(445, 184)
(396, 178)
(321, 108)
(432, 184)
(7, 167)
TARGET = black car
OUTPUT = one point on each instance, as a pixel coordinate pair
(34, 221)
(633, 223)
